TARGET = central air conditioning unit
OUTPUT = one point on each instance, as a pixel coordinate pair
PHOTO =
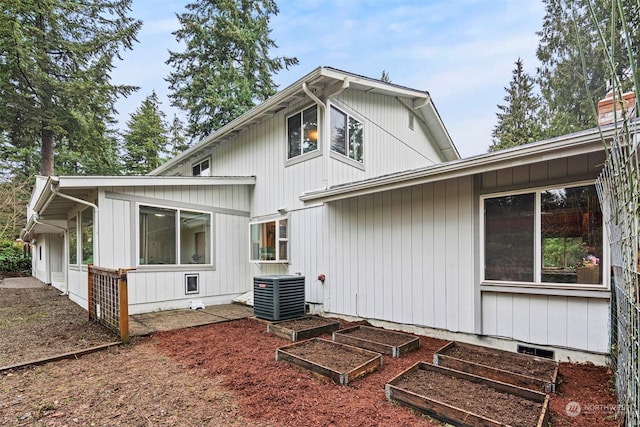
(278, 297)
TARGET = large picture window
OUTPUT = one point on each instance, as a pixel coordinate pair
(546, 236)
(302, 132)
(270, 241)
(346, 135)
(174, 236)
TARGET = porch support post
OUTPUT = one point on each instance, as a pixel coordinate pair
(124, 306)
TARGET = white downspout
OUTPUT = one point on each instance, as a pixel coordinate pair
(96, 222)
(326, 129)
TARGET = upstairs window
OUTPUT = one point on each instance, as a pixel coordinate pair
(202, 168)
(346, 135)
(302, 132)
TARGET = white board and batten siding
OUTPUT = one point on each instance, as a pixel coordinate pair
(154, 287)
(571, 322)
(261, 151)
(390, 145)
(404, 256)
(557, 321)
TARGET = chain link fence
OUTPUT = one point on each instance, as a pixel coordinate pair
(619, 193)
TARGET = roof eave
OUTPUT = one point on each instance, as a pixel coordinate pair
(281, 98)
(569, 145)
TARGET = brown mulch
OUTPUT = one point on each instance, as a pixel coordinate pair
(222, 374)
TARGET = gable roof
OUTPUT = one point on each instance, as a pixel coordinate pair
(330, 80)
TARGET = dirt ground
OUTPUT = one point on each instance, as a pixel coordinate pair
(218, 375)
(39, 322)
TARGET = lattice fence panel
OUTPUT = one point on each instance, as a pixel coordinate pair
(108, 299)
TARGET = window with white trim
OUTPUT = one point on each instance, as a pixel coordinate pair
(270, 240)
(72, 226)
(346, 135)
(302, 132)
(174, 236)
(86, 230)
(201, 169)
(81, 249)
(546, 236)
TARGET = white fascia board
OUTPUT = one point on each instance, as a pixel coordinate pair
(439, 131)
(70, 182)
(378, 86)
(565, 146)
(46, 195)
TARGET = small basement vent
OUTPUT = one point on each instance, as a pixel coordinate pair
(278, 297)
(539, 352)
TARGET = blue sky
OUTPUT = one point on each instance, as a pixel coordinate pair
(461, 51)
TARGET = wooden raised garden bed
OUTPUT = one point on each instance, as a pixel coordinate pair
(395, 344)
(339, 362)
(467, 400)
(303, 328)
(522, 370)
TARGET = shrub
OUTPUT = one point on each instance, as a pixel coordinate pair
(13, 258)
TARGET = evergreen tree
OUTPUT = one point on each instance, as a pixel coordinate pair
(177, 138)
(574, 69)
(225, 66)
(55, 63)
(518, 120)
(145, 140)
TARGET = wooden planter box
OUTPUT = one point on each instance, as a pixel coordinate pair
(457, 414)
(368, 361)
(542, 381)
(395, 344)
(303, 328)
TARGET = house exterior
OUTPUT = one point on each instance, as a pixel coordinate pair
(355, 181)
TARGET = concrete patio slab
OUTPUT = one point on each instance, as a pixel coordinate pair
(148, 323)
(21, 283)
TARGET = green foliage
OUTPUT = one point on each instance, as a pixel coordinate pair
(14, 197)
(177, 139)
(13, 257)
(57, 56)
(145, 140)
(225, 66)
(518, 120)
(575, 70)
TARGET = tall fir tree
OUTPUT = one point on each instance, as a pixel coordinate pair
(518, 119)
(225, 67)
(145, 141)
(177, 138)
(574, 71)
(55, 83)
